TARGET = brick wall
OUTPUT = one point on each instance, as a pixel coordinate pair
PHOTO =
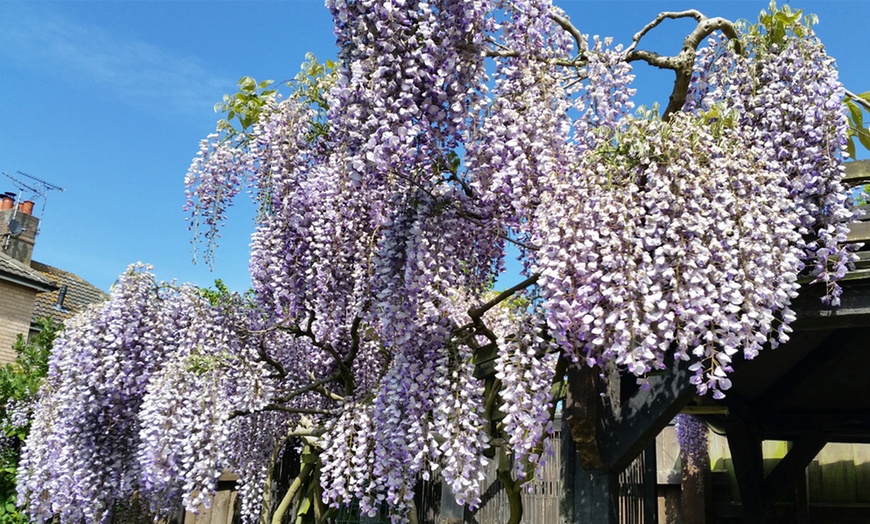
(16, 308)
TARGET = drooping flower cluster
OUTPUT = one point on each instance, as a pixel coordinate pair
(679, 237)
(80, 454)
(19, 412)
(458, 425)
(187, 412)
(214, 178)
(693, 438)
(258, 442)
(424, 419)
(525, 135)
(141, 397)
(526, 368)
(785, 93)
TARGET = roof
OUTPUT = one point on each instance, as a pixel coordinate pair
(14, 271)
(79, 293)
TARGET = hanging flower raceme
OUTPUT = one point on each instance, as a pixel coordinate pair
(526, 368)
(677, 237)
(214, 178)
(188, 406)
(785, 93)
(80, 455)
(525, 135)
(139, 399)
(458, 425)
(255, 444)
(693, 438)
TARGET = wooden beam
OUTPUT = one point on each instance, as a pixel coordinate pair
(650, 483)
(854, 309)
(484, 361)
(790, 468)
(849, 426)
(590, 495)
(643, 415)
(857, 172)
(695, 487)
(858, 232)
(831, 348)
(704, 410)
(596, 495)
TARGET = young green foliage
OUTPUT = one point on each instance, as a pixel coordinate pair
(19, 383)
(856, 107)
(245, 106)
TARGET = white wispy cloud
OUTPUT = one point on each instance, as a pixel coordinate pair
(140, 73)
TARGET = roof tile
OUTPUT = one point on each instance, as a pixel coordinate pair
(80, 293)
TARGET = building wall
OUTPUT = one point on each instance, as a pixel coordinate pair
(16, 308)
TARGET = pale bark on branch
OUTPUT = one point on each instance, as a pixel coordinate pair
(858, 100)
(681, 63)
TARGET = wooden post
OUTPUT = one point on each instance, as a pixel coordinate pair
(595, 489)
(696, 495)
(601, 440)
(596, 494)
(746, 454)
(650, 482)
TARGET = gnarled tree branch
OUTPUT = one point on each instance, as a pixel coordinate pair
(566, 24)
(682, 62)
(479, 311)
(692, 13)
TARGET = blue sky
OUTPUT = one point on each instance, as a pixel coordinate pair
(109, 99)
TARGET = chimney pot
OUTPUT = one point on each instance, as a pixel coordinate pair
(26, 207)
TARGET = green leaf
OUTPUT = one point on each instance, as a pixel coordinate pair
(865, 96)
(856, 113)
(864, 137)
(304, 506)
(248, 84)
(266, 83)
(454, 161)
(784, 18)
(850, 147)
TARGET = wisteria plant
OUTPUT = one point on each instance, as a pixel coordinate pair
(390, 185)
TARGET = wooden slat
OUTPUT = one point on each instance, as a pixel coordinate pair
(485, 353)
(484, 370)
(858, 232)
(863, 261)
(857, 172)
(837, 481)
(221, 508)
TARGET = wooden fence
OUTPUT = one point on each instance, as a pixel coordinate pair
(544, 499)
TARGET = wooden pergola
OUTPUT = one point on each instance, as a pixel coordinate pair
(811, 391)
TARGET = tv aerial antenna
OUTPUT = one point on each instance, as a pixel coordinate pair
(35, 185)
